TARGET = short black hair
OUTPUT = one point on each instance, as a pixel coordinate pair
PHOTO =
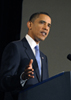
(36, 15)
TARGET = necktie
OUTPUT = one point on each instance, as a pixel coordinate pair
(38, 57)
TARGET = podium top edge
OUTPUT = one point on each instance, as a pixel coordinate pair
(45, 81)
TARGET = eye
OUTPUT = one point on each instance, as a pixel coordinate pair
(49, 25)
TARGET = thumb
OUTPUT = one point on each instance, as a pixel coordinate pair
(30, 63)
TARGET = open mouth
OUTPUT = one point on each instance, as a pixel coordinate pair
(43, 33)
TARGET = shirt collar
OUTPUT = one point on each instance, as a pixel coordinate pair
(31, 42)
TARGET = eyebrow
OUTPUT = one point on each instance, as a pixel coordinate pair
(42, 21)
(45, 22)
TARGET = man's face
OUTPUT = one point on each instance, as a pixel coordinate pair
(39, 29)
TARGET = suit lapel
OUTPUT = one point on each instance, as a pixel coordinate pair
(30, 54)
(44, 71)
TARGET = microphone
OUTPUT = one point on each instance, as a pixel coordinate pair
(69, 57)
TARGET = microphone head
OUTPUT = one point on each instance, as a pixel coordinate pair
(69, 57)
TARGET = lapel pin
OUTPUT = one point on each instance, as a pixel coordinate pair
(42, 57)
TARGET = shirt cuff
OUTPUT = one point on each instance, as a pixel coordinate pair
(22, 82)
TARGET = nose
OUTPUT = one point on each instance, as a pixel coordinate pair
(45, 27)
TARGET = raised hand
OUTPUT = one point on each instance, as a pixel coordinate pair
(28, 73)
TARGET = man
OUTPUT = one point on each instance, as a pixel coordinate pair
(19, 68)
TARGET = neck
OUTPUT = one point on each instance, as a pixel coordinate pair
(36, 40)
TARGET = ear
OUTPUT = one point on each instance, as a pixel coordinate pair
(29, 25)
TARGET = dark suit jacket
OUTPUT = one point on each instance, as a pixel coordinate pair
(14, 60)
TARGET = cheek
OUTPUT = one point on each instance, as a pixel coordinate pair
(40, 28)
(37, 28)
(48, 29)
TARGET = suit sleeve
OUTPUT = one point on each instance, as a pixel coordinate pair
(10, 79)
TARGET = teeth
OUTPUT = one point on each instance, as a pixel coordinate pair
(43, 33)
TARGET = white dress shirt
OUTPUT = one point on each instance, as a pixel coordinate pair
(31, 42)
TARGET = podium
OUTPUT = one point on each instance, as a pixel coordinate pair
(55, 88)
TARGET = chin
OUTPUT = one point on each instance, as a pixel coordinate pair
(41, 39)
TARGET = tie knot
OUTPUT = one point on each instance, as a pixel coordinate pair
(36, 47)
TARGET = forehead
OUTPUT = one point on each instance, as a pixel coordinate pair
(43, 17)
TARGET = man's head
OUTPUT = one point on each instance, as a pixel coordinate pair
(36, 15)
(39, 26)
